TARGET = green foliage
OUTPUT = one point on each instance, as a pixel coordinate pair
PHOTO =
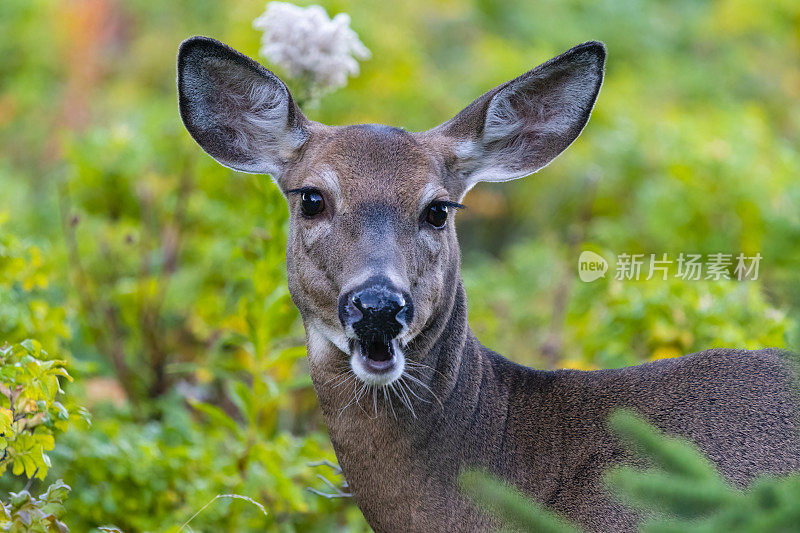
(621, 323)
(681, 490)
(29, 306)
(668, 453)
(177, 263)
(29, 514)
(178, 464)
(30, 418)
(510, 506)
(30, 414)
(610, 323)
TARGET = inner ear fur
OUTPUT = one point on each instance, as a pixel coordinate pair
(239, 112)
(520, 126)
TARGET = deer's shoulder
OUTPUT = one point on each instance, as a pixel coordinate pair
(717, 368)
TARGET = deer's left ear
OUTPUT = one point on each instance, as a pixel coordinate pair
(240, 113)
(520, 126)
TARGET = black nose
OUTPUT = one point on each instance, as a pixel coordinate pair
(376, 310)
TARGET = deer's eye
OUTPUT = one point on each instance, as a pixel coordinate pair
(311, 203)
(437, 214)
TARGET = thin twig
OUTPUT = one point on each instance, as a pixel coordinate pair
(218, 496)
(30, 481)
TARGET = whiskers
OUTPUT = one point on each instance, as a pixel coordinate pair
(358, 393)
(407, 390)
(341, 378)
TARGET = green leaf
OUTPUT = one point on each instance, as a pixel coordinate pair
(666, 492)
(216, 415)
(672, 454)
(57, 492)
(242, 397)
(32, 346)
(18, 499)
(29, 465)
(46, 441)
(61, 371)
(509, 505)
(19, 467)
(61, 411)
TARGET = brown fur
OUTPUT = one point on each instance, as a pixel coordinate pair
(543, 431)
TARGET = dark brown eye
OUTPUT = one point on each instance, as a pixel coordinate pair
(437, 214)
(311, 203)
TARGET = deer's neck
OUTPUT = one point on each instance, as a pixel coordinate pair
(400, 464)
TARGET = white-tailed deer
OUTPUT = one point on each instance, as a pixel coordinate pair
(409, 394)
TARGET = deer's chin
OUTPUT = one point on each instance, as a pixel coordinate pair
(377, 363)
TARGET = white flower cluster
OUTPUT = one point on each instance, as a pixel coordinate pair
(309, 45)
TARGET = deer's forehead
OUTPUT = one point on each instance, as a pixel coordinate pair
(370, 163)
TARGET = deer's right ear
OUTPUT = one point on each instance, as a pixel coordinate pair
(520, 126)
(240, 113)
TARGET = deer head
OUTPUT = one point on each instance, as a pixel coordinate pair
(372, 257)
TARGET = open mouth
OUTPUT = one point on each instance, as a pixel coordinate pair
(377, 362)
(377, 356)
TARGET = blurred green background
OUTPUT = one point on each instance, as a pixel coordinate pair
(160, 275)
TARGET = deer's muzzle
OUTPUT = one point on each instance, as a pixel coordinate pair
(376, 313)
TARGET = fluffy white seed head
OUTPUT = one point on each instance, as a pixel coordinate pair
(309, 45)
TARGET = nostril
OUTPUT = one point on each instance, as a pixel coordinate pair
(406, 312)
(350, 310)
(356, 301)
(402, 315)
